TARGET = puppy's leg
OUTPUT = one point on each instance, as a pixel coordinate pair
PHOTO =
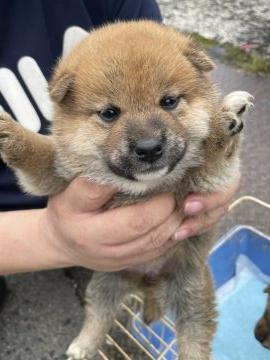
(31, 155)
(191, 299)
(152, 310)
(103, 295)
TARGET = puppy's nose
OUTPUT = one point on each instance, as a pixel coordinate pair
(149, 150)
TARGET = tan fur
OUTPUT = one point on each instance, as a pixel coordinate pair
(132, 66)
(262, 329)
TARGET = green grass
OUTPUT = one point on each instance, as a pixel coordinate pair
(206, 43)
(248, 61)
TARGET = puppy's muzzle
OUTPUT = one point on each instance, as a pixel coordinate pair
(149, 150)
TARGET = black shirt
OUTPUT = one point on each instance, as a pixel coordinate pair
(31, 38)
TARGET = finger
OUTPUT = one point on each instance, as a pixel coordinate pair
(197, 203)
(199, 224)
(132, 222)
(84, 196)
(153, 241)
(138, 261)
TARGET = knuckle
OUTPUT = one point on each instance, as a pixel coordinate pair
(162, 248)
(92, 198)
(211, 219)
(202, 223)
(156, 239)
(198, 224)
(78, 243)
(92, 193)
(139, 223)
(204, 220)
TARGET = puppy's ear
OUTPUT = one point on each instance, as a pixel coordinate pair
(61, 85)
(267, 290)
(198, 58)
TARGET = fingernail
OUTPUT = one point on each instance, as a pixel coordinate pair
(193, 207)
(181, 235)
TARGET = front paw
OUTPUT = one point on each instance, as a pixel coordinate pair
(234, 106)
(6, 127)
(80, 349)
(11, 138)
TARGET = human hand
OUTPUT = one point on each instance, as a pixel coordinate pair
(203, 211)
(83, 234)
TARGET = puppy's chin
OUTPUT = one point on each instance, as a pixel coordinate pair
(151, 175)
(144, 183)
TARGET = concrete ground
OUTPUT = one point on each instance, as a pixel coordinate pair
(234, 21)
(42, 313)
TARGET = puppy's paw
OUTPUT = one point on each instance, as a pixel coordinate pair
(234, 105)
(80, 349)
(11, 139)
(6, 127)
(151, 312)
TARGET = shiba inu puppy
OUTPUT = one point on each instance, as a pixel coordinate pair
(134, 107)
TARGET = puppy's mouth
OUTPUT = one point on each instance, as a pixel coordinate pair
(151, 174)
(132, 168)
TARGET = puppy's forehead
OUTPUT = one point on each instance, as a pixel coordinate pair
(133, 58)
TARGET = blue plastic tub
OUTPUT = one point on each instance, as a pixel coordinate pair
(240, 307)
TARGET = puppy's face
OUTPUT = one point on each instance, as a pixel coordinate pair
(132, 106)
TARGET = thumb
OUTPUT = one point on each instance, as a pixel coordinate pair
(196, 203)
(84, 196)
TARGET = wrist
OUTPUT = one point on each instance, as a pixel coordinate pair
(53, 241)
(25, 245)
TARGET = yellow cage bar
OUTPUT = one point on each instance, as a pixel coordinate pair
(121, 344)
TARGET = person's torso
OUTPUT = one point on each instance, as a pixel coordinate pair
(33, 34)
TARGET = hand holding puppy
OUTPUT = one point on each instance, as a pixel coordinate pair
(203, 211)
(123, 237)
(108, 240)
(74, 230)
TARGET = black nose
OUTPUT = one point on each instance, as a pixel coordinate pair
(149, 150)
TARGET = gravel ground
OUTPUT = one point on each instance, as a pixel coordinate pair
(234, 21)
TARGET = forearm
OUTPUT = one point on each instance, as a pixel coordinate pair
(22, 246)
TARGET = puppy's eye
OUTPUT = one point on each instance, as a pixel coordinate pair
(109, 114)
(169, 102)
